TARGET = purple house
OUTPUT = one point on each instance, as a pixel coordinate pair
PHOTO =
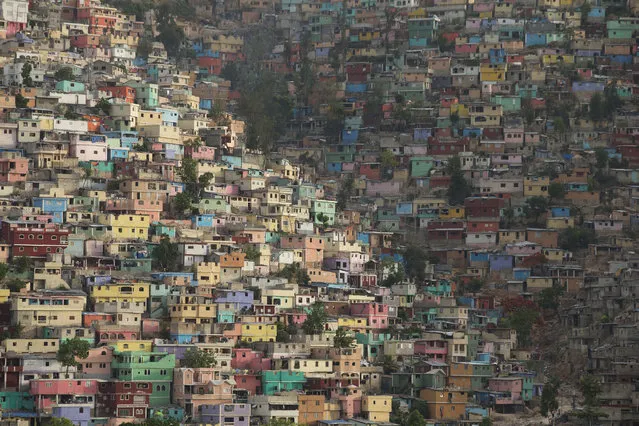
(239, 299)
(235, 414)
(79, 414)
(337, 263)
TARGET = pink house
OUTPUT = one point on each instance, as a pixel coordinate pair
(248, 359)
(97, 365)
(532, 138)
(512, 385)
(376, 189)
(514, 135)
(348, 167)
(466, 48)
(94, 247)
(375, 313)
(200, 152)
(525, 248)
(50, 391)
(432, 348)
(14, 169)
(200, 386)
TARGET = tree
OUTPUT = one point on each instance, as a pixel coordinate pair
(155, 421)
(415, 418)
(345, 192)
(560, 126)
(4, 270)
(549, 403)
(26, 74)
(576, 238)
(475, 285)
(280, 422)
(64, 73)
(602, 158)
(597, 107)
(535, 207)
(58, 421)
(389, 365)
(166, 255)
(22, 264)
(556, 191)
(459, 187)
(522, 322)
(415, 259)
(103, 105)
(486, 421)
(294, 274)
(198, 358)
(548, 298)
(342, 339)
(21, 101)
(72, 349)
(182, 202)
(252, 253)
(315, 320)
(16, 285)
(590, 388)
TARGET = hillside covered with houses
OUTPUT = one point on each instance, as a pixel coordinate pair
(321, 213)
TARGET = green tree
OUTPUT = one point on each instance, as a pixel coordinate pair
(72, 349)
(16, 285)
(459, 187)
(389, 365)
(602, 158)
(64, 73)
(280, 422)
(535, 206)
(182, 202)
(576, 238)
(4, 270)
(549, 297)
(415, 418)
(198, 358)
(294, 274)
(549, 403)
(522, 321)
(559, 126)
(103, 105)
(334, 122)
(475, 285)
(415, 258)
(345, 192)
(26, 74)
(612, 101)
(251, 252)
(343, 339)
(22, 264)
(556, 191)
(597, 111)
(486, 421)
(58, 421)
(315, 320)
(166, 255)
(590, 388)
(21, 101)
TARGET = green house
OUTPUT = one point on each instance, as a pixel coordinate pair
(481, 374)
(508, 103)
(159, 228)
(16, 401)
(372, 343)
(156, 367)
(146, 94)
(326, 208)
(68, 86)
(421, 166)
(274, 381)
(213, 205)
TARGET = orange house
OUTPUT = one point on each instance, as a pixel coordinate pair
(125, 93)
(548, 238)
(445, 404)
(232, 260)
(93, 123)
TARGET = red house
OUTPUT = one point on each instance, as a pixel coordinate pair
(248, 359)
(483, 225)
(483, 206)
(126, 93)
(123, 399)
(358, 72)
(444, 230)
(372, 171)
(33, 239)
(249, 382)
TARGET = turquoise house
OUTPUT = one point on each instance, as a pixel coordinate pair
(420, 166)
(68, 86)
(508, 103)
(16, 401)
(274, 381)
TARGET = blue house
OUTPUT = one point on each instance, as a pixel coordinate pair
(560, 211)
(170, 117)
(118, 153)
(501, 262)
(203, 220)
(479, 256)
(535, 39)
(420, 134)
(55, 206)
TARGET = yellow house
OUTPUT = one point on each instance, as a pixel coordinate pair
(257, 332)
(133, 345)
(192, 309)
(4, 295)
(556, 59)
(208, 273)
(137, 293)
(377, 408)
(283, 298)
(312, 366)
(126, 226)
(359, 298)
(560, 222)
(31, 346)
(555, 254)
(536, 186)
(58, 309)
(492, 72)
(509, 236)
(318, 275)
(352, 323)
(452, 213)
(460, 109)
